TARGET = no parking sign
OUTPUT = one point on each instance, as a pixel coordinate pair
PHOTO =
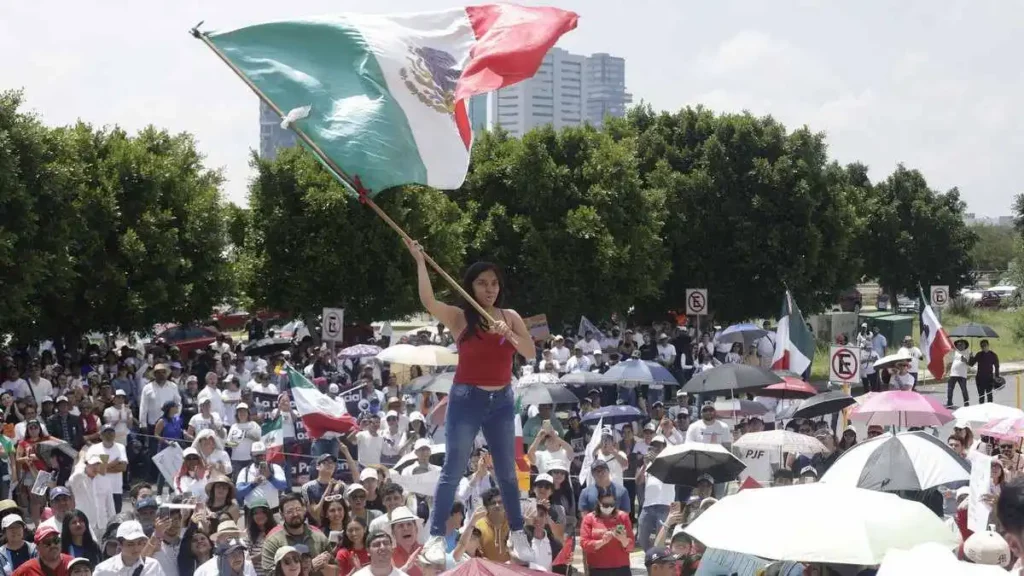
(844, 364)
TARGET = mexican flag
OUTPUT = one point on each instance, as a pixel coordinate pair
(384, 96)
(935, 343)
(273, 439)
(320, 413)
(522, 462)
(794, 343)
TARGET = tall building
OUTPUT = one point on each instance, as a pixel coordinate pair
(477, 111)
(272, 136)
(605, 77)
(567, 90)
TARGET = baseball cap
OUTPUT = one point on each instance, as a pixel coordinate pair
(10, 520)
(402, 514)
(659, 555)
(809, 471)
(45, 531)
(282, 552)
(543, 478)
(354, 488)
(76, 561)
(598, 464)
(658, 403)
(190, 451)
(707, 478)
(147, 502)
(651, 426)
(368, 474)
(241, 406)
(93, 459)
(416, 417)
(107, 428)
(987, 547)
(391, 414)
(421, 443)
(58, 491)
(61, 399)
(120, 393)
(258, 448)
(325, 458)
(130, 530)
(659, 438)
(333, 389)
(159, 367)
(559, 465)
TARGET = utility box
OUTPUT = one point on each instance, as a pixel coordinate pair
(828, 327)
(895, 327)
(872, 318)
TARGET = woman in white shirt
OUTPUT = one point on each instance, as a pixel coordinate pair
(555, 449)
(735, 355)
(120, 415)
(211, 449)
(205, 421)
(902, 379)
(241, 437)
(958, 371)
(610, 453)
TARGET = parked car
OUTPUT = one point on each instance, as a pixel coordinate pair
(906, 305)
(851, 300)
(1008, 294)
(989, 299)
(186, 338)
(234, 319)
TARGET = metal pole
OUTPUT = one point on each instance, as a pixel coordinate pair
(352, 184)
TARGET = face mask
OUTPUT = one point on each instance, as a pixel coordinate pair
(607, 509)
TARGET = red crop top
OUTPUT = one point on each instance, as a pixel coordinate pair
(485, 359)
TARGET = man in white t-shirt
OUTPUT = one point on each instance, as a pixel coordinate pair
(369, 442)
(591, 344)
(422, 465)
(658, 497)
(120, 417)
(548, 363)
(610, 453)
(578, 362)
(709, 429)
(206, 419)
(39, 386)
(766, 347)
(914, 353)
(116, 462)
(16, 384)
(213, 393)
(559, 351)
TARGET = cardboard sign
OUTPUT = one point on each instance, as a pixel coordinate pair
(538, 326)
(759, 464)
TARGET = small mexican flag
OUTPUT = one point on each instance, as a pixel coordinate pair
(273, 438)
(320, 413)
(794, 343)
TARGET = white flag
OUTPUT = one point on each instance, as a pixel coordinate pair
(588, 457)
(588, 326)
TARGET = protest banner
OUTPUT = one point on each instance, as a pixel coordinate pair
(538, 326)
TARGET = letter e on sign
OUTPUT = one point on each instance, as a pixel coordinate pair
(844, 364)
(696, 301)
(940, 296)
(333, 322)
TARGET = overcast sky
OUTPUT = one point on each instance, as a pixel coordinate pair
(933, 84)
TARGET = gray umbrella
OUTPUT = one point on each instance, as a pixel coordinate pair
(537, 394)
(436, 383)
(906, 461)
(824, 403)
(731, 378)
(585, 379)
(973, 330)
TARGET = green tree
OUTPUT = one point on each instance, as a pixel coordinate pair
(310, 244)
(995, 248)
(752, 208)
(914, 235)
(568, 218)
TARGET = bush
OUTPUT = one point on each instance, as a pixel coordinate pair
(962, 307)
(1017, 326)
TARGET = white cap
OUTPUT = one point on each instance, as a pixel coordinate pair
(10, 520)
(416, 416)
(258, 448)
(190, 451)
(544, 478)
(120, 393)
(421, 443)
(130, 530)
(93, 459)
(987, 547)
(559, 465)
(354, 488)
(391, 414)
(402, 514)
(659, 438)
(368, 474)
(61, 399)
(241, 406)
(333, 389)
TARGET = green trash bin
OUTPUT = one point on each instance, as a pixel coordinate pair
(872, 319)
(895, 327)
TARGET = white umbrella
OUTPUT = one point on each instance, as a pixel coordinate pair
(981, 414)
(738, 407)
(538, 378)
(906, 461)
(933, 560)
(428, 355)
(891, 360)
(783, 440)
(850, 525)
(436, 457)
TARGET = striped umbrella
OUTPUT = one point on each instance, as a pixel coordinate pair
(906, 461)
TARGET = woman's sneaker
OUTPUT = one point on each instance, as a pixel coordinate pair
(434, 551)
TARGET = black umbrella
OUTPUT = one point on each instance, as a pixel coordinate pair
(686, 463)
(267, 346)
(825, 403)
(973, 330)
(731, 378)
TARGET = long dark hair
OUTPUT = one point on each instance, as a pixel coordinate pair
(90, 549)
(475, 323)
(347, 542)
(253, 529)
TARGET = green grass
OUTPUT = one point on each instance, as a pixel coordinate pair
(1007, 346)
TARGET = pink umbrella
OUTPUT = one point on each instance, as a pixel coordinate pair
(1004, 429)
(902, 409)
(789, 388)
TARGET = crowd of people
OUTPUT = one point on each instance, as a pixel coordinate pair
(83, 494)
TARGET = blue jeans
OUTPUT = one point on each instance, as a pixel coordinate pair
(471, 409)
(651, 518)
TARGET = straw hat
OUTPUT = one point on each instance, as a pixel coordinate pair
(218, 478)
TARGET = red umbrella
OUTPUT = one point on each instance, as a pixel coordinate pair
(789, 388)
(481, 567)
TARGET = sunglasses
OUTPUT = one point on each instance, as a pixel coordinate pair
(55, 541)
(333, 498)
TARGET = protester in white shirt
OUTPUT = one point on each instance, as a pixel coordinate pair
(243, 433)
(213, 393)
(91, 493)
(130, 562)
(155, 394)
(369, 442)
(591, 344)
(766, 347)
(548, 448)
(115, 462)
(578, 362)
(666, 352)
(914, 353)
(610, 453)
(261, 480)
(119, 416)
(39, 387)
(17, 385)
(658, 497)
(958, 371)
(206, 419)
(709, 429)
(548, 363)
(559, 350)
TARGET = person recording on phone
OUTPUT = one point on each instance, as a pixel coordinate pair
(534, 424)
(548, 447)
(261, 480)
(606, 535)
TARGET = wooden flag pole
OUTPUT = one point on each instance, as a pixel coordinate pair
(352, 184)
